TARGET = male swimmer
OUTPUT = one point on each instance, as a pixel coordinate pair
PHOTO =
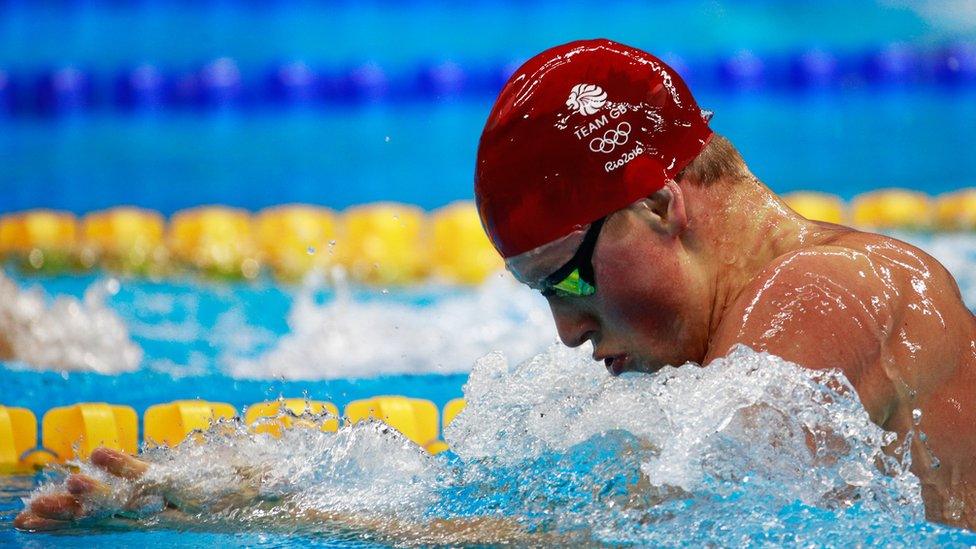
(600, 182)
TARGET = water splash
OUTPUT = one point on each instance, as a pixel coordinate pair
(955, 251)
(751, 449)
(67, 334)
(340, 338)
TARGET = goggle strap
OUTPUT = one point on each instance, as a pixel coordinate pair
(586, 250)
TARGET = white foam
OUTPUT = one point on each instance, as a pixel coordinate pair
(349, 337)
(956, 252)
(687, 456)
(746, 415)
(68, 334)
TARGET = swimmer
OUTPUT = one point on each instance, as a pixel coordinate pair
(600, 182)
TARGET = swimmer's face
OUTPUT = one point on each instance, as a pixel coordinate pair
(651, 306)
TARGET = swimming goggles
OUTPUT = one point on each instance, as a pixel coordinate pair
(575, 278)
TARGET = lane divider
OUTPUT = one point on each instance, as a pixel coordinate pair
(891, 209)
(223, 84)
(169, 424)
(73, 432)
(380, 244)
(416, 418)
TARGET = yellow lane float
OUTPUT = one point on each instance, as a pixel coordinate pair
(40, 239)
(452, 409)
(461, 252)
(297, 406)
(892, 209)
(296, 238)
(18, 434)
(816, 206)
(415, 418)
(216, 240)
(956, 211)
(125, 238)
(168, 424)
(381, 243)
(74, 431)
(384, 243)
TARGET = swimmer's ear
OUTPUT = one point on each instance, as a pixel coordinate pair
(667, 206)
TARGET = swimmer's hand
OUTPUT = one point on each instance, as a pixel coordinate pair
(60, 509)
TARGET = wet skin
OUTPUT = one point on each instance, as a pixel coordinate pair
(692, 272)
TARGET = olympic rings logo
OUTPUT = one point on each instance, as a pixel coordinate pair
(611, 139)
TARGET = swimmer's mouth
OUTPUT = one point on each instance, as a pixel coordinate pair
(616, 364)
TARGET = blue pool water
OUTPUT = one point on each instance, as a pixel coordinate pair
(552, 443)
(423, 154)
(850, 136)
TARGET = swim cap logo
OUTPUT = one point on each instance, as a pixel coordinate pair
(586, 99)
(611, 139)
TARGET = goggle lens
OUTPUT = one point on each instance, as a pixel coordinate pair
(573, 285)
(579, 282)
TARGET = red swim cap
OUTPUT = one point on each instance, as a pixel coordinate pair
(579, 131)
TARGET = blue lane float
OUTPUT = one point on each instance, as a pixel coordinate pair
(7, 94)
(220, 84)
(896, 64)
(293, 83)
(814, 69)
(64, 90)
(223, 84)
(743, 71)
(143, 87)
(956, 64)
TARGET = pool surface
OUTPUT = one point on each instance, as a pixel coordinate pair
(549, 441)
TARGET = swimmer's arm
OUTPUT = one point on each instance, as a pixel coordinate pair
(446, 532)
(82, 494)
(6, 352)
(381, 529)
(820, 310)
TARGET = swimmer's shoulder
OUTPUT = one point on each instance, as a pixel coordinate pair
(858, 261)
(898, 261)
(817, 306)
(821, 306)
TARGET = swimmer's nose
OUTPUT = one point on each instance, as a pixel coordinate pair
(574, 328)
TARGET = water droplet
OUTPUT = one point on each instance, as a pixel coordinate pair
(954, 508)
(311, 250)
(923, 437)
(250, 268)
(917, 416)
(386, 139)
(384, 291)
(112, 286)
(36, 258)
(936, 463)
